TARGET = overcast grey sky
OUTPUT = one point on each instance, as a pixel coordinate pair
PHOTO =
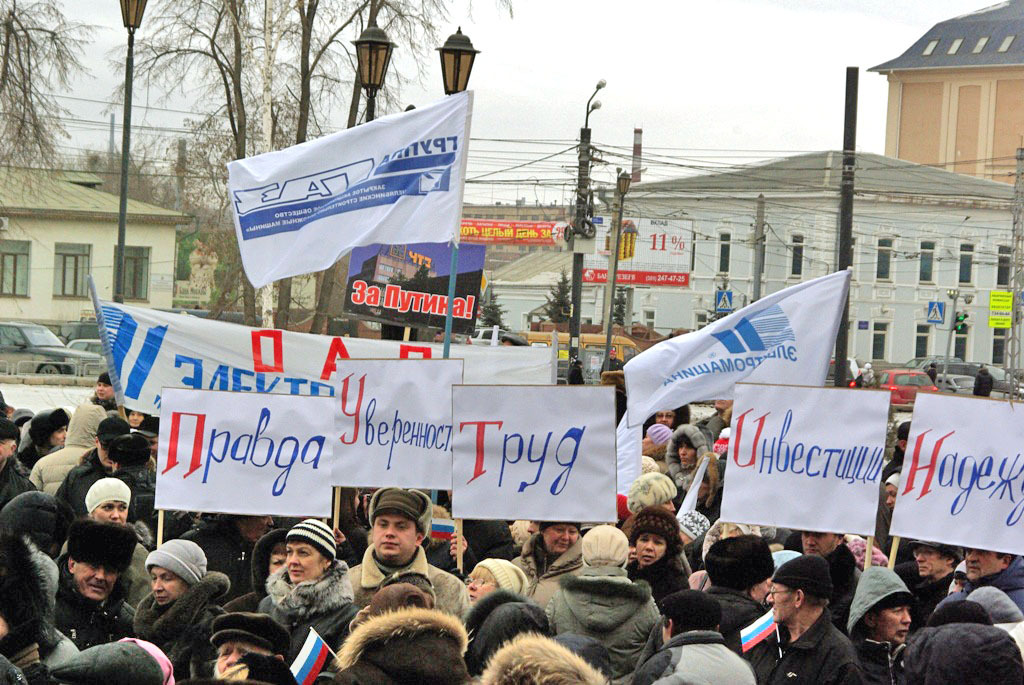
(707, 78)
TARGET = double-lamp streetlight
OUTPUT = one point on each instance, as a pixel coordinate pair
(621, 188)
(131, 13)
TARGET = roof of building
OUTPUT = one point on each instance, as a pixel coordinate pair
(818, 172)
(990, 37)
(28, 192)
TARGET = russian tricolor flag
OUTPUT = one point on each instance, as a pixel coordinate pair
(442, 529)
(311, 659)
(757, 631)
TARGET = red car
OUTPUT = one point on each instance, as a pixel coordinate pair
(904, 384)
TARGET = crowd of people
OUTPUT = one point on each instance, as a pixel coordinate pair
(658, 596)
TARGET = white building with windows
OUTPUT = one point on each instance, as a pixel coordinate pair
(56, 228)
(918, 232)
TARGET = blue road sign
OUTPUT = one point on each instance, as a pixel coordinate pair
(936, 312)
(723, 301)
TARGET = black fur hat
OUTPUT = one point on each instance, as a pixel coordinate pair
(129, 450)
(101, 544)
(46, 423)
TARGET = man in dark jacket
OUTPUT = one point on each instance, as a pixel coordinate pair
(983, 383)
(934, 564)
(965, 654)
(12, 483)
(740, 570)
(228, 543)
(879, 624)
(1002, 571)
(842, 569)
(130, 456)
(96, 464)
(813, 650)
(91, 607)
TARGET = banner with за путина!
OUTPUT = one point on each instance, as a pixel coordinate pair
(962, 481)
(805, 458)
(544, 453)
(246, 454)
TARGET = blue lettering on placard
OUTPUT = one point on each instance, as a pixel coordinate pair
(402, 431)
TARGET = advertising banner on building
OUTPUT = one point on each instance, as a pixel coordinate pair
(532, 452)
(495, 231)
(788, 467)
(651, 252)
(407, 285)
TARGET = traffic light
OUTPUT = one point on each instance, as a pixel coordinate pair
(961, 322)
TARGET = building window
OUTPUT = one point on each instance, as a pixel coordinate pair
(980, 45)
(999, 345)
(1003, 265)
(14, 267)
(924, 331)
(702, 320)
(136, 273)
(925, 274)
(649, 318)
(960, 345)
(930, 48)
(797, 266)
(966, 262)
(878, 335)
(883, 267)
(955, 46)
(1007, 42)
(724, 248)
(70, 269)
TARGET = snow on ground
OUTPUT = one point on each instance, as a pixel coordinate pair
(38, 397)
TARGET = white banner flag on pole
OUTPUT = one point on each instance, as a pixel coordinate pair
(397, 179)
(785, 338)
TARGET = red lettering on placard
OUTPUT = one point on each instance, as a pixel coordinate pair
(928, 468)
(739, 433)
(197, 443)
(336, 352)
(257, 351)
(354, 414)
(481, 426)
(405, 350)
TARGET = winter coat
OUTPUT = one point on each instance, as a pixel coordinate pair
(664, 576)
(821, 656)
(683, 476)
(842, 568)
(259, 570)
(881, 663)
(182, 628)
(450, 592)
(410, 645)
(122, 663)
(226, 551)
(136, 578)
(544, 577)
(142, 482)
(495, 619)
(439, 555)
(964, 654)
(76, 484)
(12, 483)
(601, 602)
(534, 659)
(50, 471)
(86, 622)
(489, 539)
(1010, 580)
(983, 383)
(739, 610)
(324, 604)
(927, 595)
(692, 658)
(10, 674)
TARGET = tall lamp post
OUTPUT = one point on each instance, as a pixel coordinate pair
(131, 13)
(621, 188)
(373, 54)
(457, 58)
(583, 228)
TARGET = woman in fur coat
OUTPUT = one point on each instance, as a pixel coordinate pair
(312, 589)
(177, 615)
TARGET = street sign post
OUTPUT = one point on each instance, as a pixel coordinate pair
(723, 301)
(936, 312)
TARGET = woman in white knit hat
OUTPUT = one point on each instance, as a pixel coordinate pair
(107, 501)
(312, 589)
(493, 574)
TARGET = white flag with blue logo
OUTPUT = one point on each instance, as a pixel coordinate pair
(787, 337)
(398, 179)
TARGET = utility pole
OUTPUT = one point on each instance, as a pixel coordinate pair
(758, 247)
(954, 294)
(1017, 278)
(846, 217)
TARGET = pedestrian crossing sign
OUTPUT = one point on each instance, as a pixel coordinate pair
(723, 301)
(936, 312)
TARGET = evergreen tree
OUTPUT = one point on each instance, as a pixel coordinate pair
(619, 307)
(491, 314)
(559, 303)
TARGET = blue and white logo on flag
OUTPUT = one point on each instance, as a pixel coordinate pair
(763, 331)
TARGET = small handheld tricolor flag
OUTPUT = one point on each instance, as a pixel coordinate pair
(311, 659)
(757, 631)
(442, 529)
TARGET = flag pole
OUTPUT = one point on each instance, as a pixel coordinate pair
(869, 551)
(451, 299)
(892, 551)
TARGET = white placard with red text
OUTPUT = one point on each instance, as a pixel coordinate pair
(962, 481)
(534, 452)
(805, 458)
(246, 454)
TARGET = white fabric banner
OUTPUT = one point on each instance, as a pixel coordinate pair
(627, 454)
(806, 458)
(785, 337)
(538, 453)
(395, 180)
(148, 350)
(963, 474)
(246, 454)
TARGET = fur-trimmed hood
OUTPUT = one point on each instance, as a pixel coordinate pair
(483, 607)
(411, 645)
(603, 597)
(681, 475)
(161, 624)
(497, 618)
(261, 558)
(535, 660)
(325, 595)
(27, 591)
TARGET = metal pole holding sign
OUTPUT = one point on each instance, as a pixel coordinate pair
(451, 300)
